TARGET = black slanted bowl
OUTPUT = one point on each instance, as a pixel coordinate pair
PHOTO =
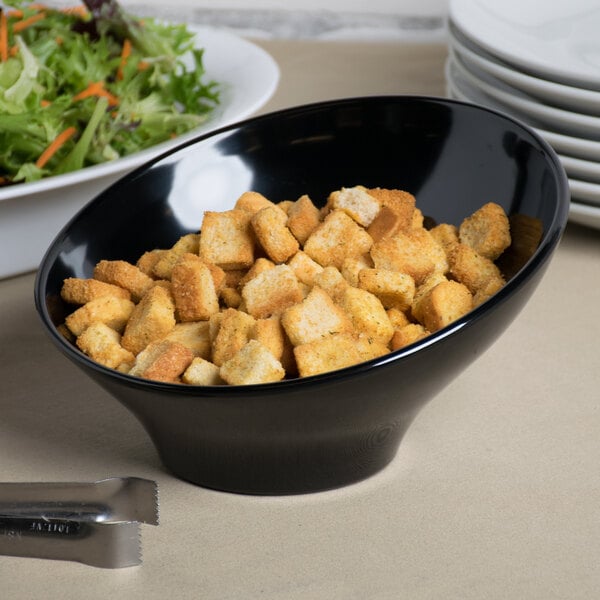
(321, 432)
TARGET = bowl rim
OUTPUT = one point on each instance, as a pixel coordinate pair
(543, 253)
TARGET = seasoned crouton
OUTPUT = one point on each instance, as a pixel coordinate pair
(147, 261)
(112, 311)
(356, 202)
(422, 290)
(332, 281)
(252, 202)
(271, 334)
(367, 314)
(195, 335)
(337, 238)
(327, 354)
(487, 290)
(446, 235)
(397, 318)
(393, 288)
(79, 291)
(304, 267)
(271, 292)
(202, 372)
(273, 235)
(408, 334)
(386, 224)
(125, 275)
(418, 219)
(260, 265)
(162, 360)
(226, 239)
(186, 244)
(315, 317)
(368, 348)
(303, 218)
(235, 329)
(351, 267)
(487, 231)
(252, 364)
(285, 205)
(103, 344)
(470, 268)
(400, 202)
(525, 236)
(193, 289)
(443, 304)
(230, 297)
(152, 319)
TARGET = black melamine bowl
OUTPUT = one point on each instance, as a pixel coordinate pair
(321, 432)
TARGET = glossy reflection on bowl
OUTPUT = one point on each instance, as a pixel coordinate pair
(321, 432)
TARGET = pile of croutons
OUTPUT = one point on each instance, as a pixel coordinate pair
(274, 290)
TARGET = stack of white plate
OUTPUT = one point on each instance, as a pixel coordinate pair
(539, 62)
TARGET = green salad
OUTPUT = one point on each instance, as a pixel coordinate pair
(84, 85)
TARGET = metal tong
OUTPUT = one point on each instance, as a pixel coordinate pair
(93, 523)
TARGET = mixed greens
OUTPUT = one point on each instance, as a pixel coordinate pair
(84, 85)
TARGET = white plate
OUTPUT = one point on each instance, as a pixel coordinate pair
(555, 40)
(32, 214)
(557, 94)
(564, 121)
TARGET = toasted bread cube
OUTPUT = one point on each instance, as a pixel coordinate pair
(193, 289)
(162, 360)
(526, 233)
(418, 219)
(487, 290)
(235, 329)
(356, 202)
(400, 202)
(148, 261)
(422, 290)
(303, 218)
(186, 244)
(393, 288)
(353, 266)
(369, 348)
(487, 231)
(252, 202)
(226, 239)
(230, 297)
(332, 281)
(252, 364)
(338, 237)
(304, 267)
(271, 292)
(446, 235)
(470, 268)
(152, 319)
(317, 316)
(285, 205)
(260, 265)
(409, 334)
(386, 224)
(398, 318)
(79, 291)
(103, 344)
(327, 354)
(195, 335)
(202, 372)
(445, 303)
(271, 334)
(114, 312)
(367, 314)
(273, 235)
(123, 274)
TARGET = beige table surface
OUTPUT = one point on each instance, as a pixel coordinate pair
(494, 493)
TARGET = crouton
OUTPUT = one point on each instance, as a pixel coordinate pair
(356, 202)
(195, 335)
(147, 261)
(285, 205)
(273, 235)
(123, 274)
(327, 354)
(408, 334)
(525, 236)
(230, 297)
(186, 244)
(252, 202)
(112, 311)
(202, 372)
(260, 265)
(351, 267)
(368, 348)
(446, 235)
(103, 344)
(193, 289)
(398, 318)
(251, 365)
(304, 267)
(317, 316)
(470, 268)
(271, 292)
(303, 218)
(79, 291)
(162, 361)
(418, 219)
(443, 304)
(337, 238)
(487, 290)
(386, 224)
(400, 202)
(487, 231)
(226, 239)
(271, 334)
(332, 281)
(422, 290)
(235, 329)
(393, 288)
(152, 319)
(367, 314)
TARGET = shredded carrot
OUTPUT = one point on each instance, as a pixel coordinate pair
(16, 13)
(44, 103)
(13, 50)
(78, 11)
(56, 144)
(143, 65)
(58, 40)
(3, 37)
(20, 25)
(96, 89)
(124, 56)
